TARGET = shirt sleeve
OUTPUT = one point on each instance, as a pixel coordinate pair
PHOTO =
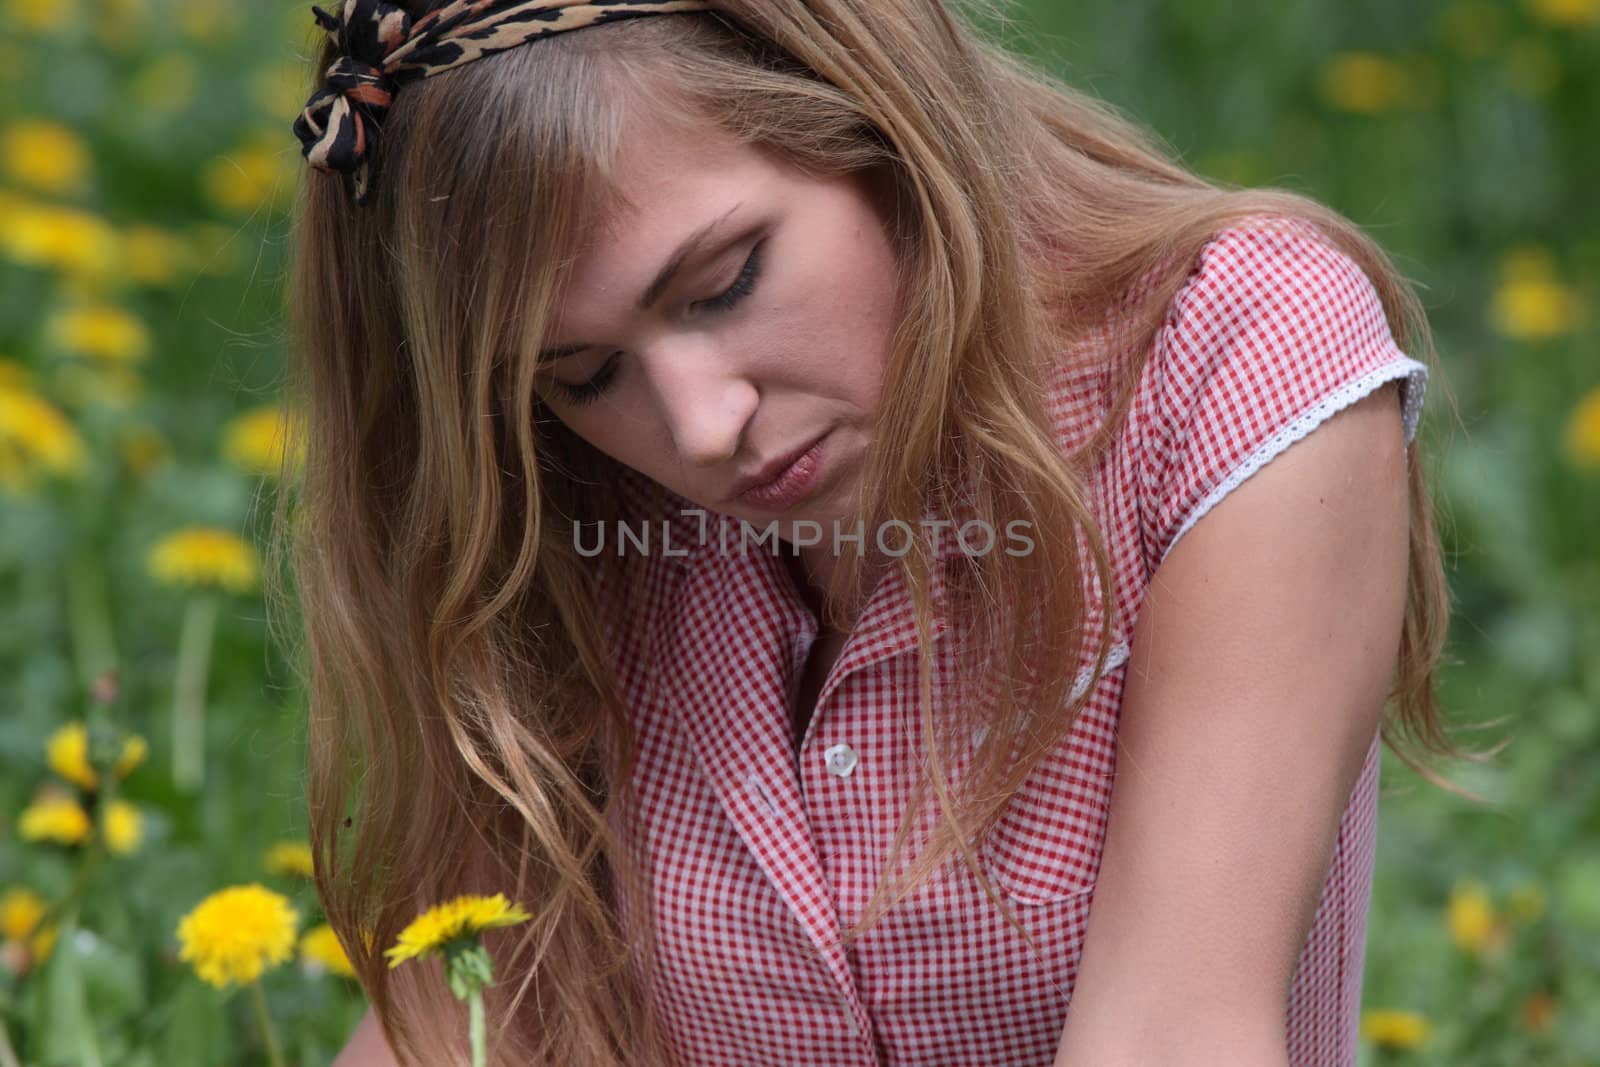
(1274, 331)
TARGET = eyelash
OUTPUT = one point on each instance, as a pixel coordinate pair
(591, 390)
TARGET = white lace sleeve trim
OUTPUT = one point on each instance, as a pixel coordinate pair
(1412, 392)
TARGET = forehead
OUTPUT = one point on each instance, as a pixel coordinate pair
(669, 180)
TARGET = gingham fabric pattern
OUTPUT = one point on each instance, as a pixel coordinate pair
(759, 853)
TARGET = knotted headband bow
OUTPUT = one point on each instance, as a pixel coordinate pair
(381, 49)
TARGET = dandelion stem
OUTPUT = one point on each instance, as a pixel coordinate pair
(8, 1055)
(268, 1034)
(89, 618)
(475, 1026)
(189, 691)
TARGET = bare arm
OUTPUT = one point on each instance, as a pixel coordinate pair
(1261, 659)
(366, 1047)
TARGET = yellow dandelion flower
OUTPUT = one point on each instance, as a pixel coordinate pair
(20, 911)
(67, 752)
(44, 155)
(38, 436)
(102, 331)
(151, 255)
(134, 750)
(204, 556)
(1539, 1011)
(1533, 309)
(289, 858)
(465, 916)
(321, 947)
(66, 239)
(256, 441)
(236, 934)
(248, 178)
(1471, 917)
(1566, 12)
(47, 15)
(123, 827)
(1583, 431)
(1394, 1029)
(1362, 82)
(55, 818)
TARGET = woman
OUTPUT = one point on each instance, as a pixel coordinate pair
(1013, 394)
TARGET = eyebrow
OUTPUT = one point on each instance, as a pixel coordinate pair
(692, 246)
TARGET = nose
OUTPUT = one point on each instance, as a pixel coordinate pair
(706, 399)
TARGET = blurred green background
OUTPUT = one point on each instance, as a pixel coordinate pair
(146, 162)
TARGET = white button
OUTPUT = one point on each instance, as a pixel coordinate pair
(841, 760)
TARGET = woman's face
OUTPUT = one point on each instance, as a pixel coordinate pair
(772, 331)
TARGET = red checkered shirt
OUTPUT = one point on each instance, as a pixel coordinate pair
(759, 853)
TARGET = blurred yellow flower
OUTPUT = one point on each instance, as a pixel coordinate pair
(116, 23)
(20, 912)
(1535, 309)
(86, 384)
(321, 948)
(44, 155)
(205, 556)
(1583, 431)
(165, 84)
(236, 934)
(102, 331)
(14, 375)
(123, 827)
(212, 249)
(281, 89)
(151, 255)
(67, 752)
(1566, 12)
(1474, 926)
(256, 440)
(206, 20)
(35, 436)
(1539, 1011)
(1531, 302)
(42, 235)
(142, 447)
(1532, 67)
(1362, 82)
(291, 858)
(56, 818)
(250, 177)
(1394, 1029)
(41, 14)
(1474, 28)
(465, 916)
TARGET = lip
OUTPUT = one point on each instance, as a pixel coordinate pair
(785, 482)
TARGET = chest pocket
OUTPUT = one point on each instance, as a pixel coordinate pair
(1046, 845)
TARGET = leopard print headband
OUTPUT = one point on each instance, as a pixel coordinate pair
(381, 49)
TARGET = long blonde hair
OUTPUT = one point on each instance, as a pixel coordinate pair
(464, 723)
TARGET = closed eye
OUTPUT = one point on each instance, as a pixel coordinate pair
(590, 391)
